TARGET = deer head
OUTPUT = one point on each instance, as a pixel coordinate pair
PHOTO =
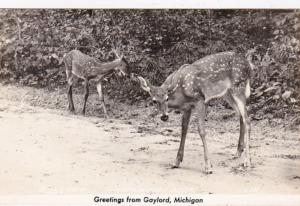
(159, 97)
(122, 69)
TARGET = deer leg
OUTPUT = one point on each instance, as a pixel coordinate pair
(184, 127)
(243, 145)
(229, 99)
(241, 142)
(201, 113)
(238, 102)
(70, 98)
(86, 94)
(101, 97)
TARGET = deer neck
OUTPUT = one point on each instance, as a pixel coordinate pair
(109, 66)
(170, 84)
(177, 98)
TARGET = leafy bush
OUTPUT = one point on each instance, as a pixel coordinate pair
(155, 42)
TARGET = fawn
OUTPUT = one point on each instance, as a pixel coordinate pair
(79, 65)
(223, 75)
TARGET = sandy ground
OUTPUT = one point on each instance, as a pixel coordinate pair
(46, 150)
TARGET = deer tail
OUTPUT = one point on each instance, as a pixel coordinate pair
(249, 55)
(247, 89)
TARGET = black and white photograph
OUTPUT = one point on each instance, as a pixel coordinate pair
(150, 101)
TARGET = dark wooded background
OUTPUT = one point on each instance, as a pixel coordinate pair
(155, 42)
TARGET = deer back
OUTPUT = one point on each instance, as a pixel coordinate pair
(82, 65)
(207, 78)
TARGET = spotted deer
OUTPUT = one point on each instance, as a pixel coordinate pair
(79, 65)
(223, 75)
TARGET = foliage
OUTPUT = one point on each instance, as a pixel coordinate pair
(155, 42)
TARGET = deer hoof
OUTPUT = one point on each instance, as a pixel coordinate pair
(208, 171)
(104, 115)
(245, 159)
(71, 109)
(177, 163)
(239, 152)
(246, 163)
(208, 168)
(174, 166)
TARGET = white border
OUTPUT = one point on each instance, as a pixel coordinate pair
(208, 200)
(153, 4)
(267, 199)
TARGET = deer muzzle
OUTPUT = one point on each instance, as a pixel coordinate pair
(164, 117)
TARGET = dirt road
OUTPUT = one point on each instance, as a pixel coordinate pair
(46, 150)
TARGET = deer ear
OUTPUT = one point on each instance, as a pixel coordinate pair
(172, 89)
(144, 84)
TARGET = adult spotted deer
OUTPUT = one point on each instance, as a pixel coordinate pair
(222, 75)
(79, 65)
